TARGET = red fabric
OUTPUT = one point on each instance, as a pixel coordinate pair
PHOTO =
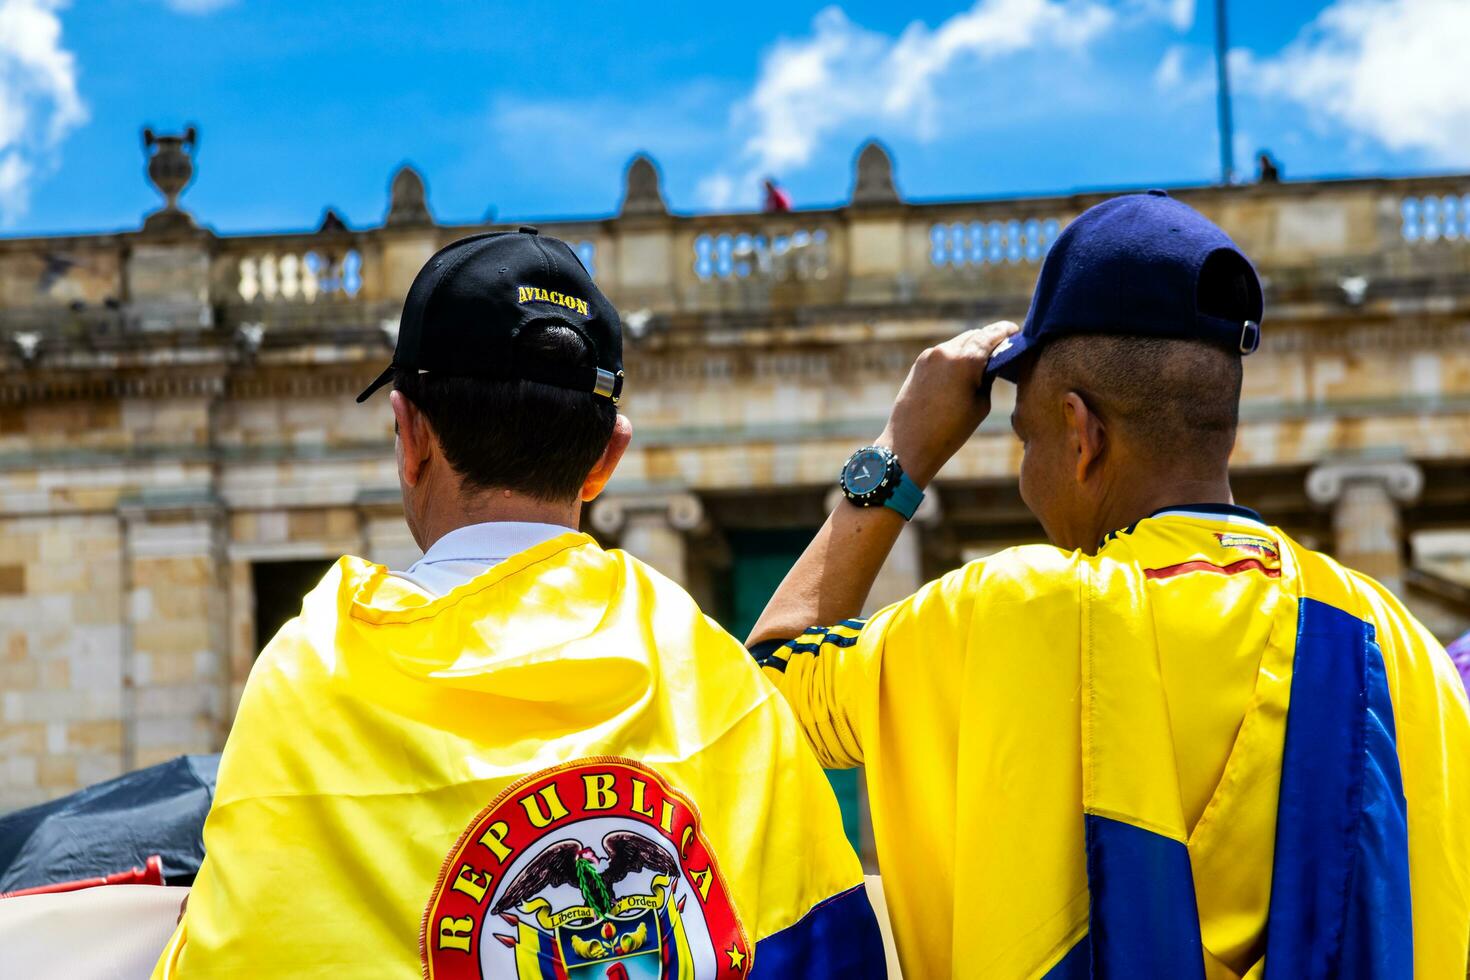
(777, 199)
(1235, 567)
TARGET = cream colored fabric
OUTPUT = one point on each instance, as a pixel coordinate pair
(112, 932)
(874, 885)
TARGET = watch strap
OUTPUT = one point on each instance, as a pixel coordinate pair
(906, 497)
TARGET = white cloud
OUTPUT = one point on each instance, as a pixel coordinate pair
(717, 191)
(39, 103)
(198, 6)
(1170, 73)
(1395, 71)
(14, 173)
(1181, 14)
(844, 73)
(1186, 73)
(1178, 14)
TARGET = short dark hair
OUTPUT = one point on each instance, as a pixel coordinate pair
(523, 436)
(1181, 397)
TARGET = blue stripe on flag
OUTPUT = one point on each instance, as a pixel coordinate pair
(1076, 965)
(1340, 902)
(838, 938)
(1143, 921)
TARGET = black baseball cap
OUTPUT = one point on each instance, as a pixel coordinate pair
(475, 299)
(1140, 265)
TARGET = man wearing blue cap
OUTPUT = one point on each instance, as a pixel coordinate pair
(1175, 743)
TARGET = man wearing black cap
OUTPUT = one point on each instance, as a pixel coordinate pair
(524, 756)
(1175, 743)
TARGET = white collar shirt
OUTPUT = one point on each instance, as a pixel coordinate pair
(468, 551)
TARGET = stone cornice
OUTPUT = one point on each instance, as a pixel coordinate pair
(1447, 415)
(878, 344)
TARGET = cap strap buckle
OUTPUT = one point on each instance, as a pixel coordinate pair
(1250, 337)
(608, 385)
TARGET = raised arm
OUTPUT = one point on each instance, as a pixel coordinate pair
(942, 402)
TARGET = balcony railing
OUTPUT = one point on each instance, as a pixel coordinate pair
(1347, 240)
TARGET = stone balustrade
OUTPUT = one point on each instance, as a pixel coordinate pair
(1343, 242)
(299, 278)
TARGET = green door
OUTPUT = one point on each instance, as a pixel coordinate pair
(760, 560)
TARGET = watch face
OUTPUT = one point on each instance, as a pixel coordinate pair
(865, 471)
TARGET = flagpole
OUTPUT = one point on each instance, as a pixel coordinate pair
(1222, 84)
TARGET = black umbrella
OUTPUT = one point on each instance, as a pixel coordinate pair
(112, 827)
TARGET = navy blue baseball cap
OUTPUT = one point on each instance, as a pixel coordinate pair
(1140, 265)
(476, 300)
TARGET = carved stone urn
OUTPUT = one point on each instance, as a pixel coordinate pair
(170, 168)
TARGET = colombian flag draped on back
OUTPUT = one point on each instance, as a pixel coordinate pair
(1203, 752)
(560, 769)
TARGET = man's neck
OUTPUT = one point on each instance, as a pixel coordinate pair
(494, 506)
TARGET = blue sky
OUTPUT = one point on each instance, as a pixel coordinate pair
(533, 110)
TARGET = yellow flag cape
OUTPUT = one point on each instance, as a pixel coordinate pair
(503, 781)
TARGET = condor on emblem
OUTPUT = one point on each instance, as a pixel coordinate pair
(593, 870)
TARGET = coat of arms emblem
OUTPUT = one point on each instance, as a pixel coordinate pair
(595, 870)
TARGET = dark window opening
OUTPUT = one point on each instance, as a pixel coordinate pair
(279, 587)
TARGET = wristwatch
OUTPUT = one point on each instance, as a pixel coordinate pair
(872, 478)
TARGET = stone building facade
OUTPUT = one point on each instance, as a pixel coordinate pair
(180, 453)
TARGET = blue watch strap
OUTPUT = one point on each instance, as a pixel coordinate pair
(906, 497)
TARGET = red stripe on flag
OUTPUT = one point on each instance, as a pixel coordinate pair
(1234, 568)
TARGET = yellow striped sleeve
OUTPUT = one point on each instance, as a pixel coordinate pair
(834, 676)
(819, 674)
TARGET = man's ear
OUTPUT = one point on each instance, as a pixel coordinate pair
(602, 470)
(415, 438)
(1087, 437)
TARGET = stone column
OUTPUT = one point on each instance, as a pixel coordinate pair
(175, 650)
(653, 528)
(903, 572)
(60, 654)
(1366, 497)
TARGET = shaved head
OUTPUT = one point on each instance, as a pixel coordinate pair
(1180, 397)
(1114, 427)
